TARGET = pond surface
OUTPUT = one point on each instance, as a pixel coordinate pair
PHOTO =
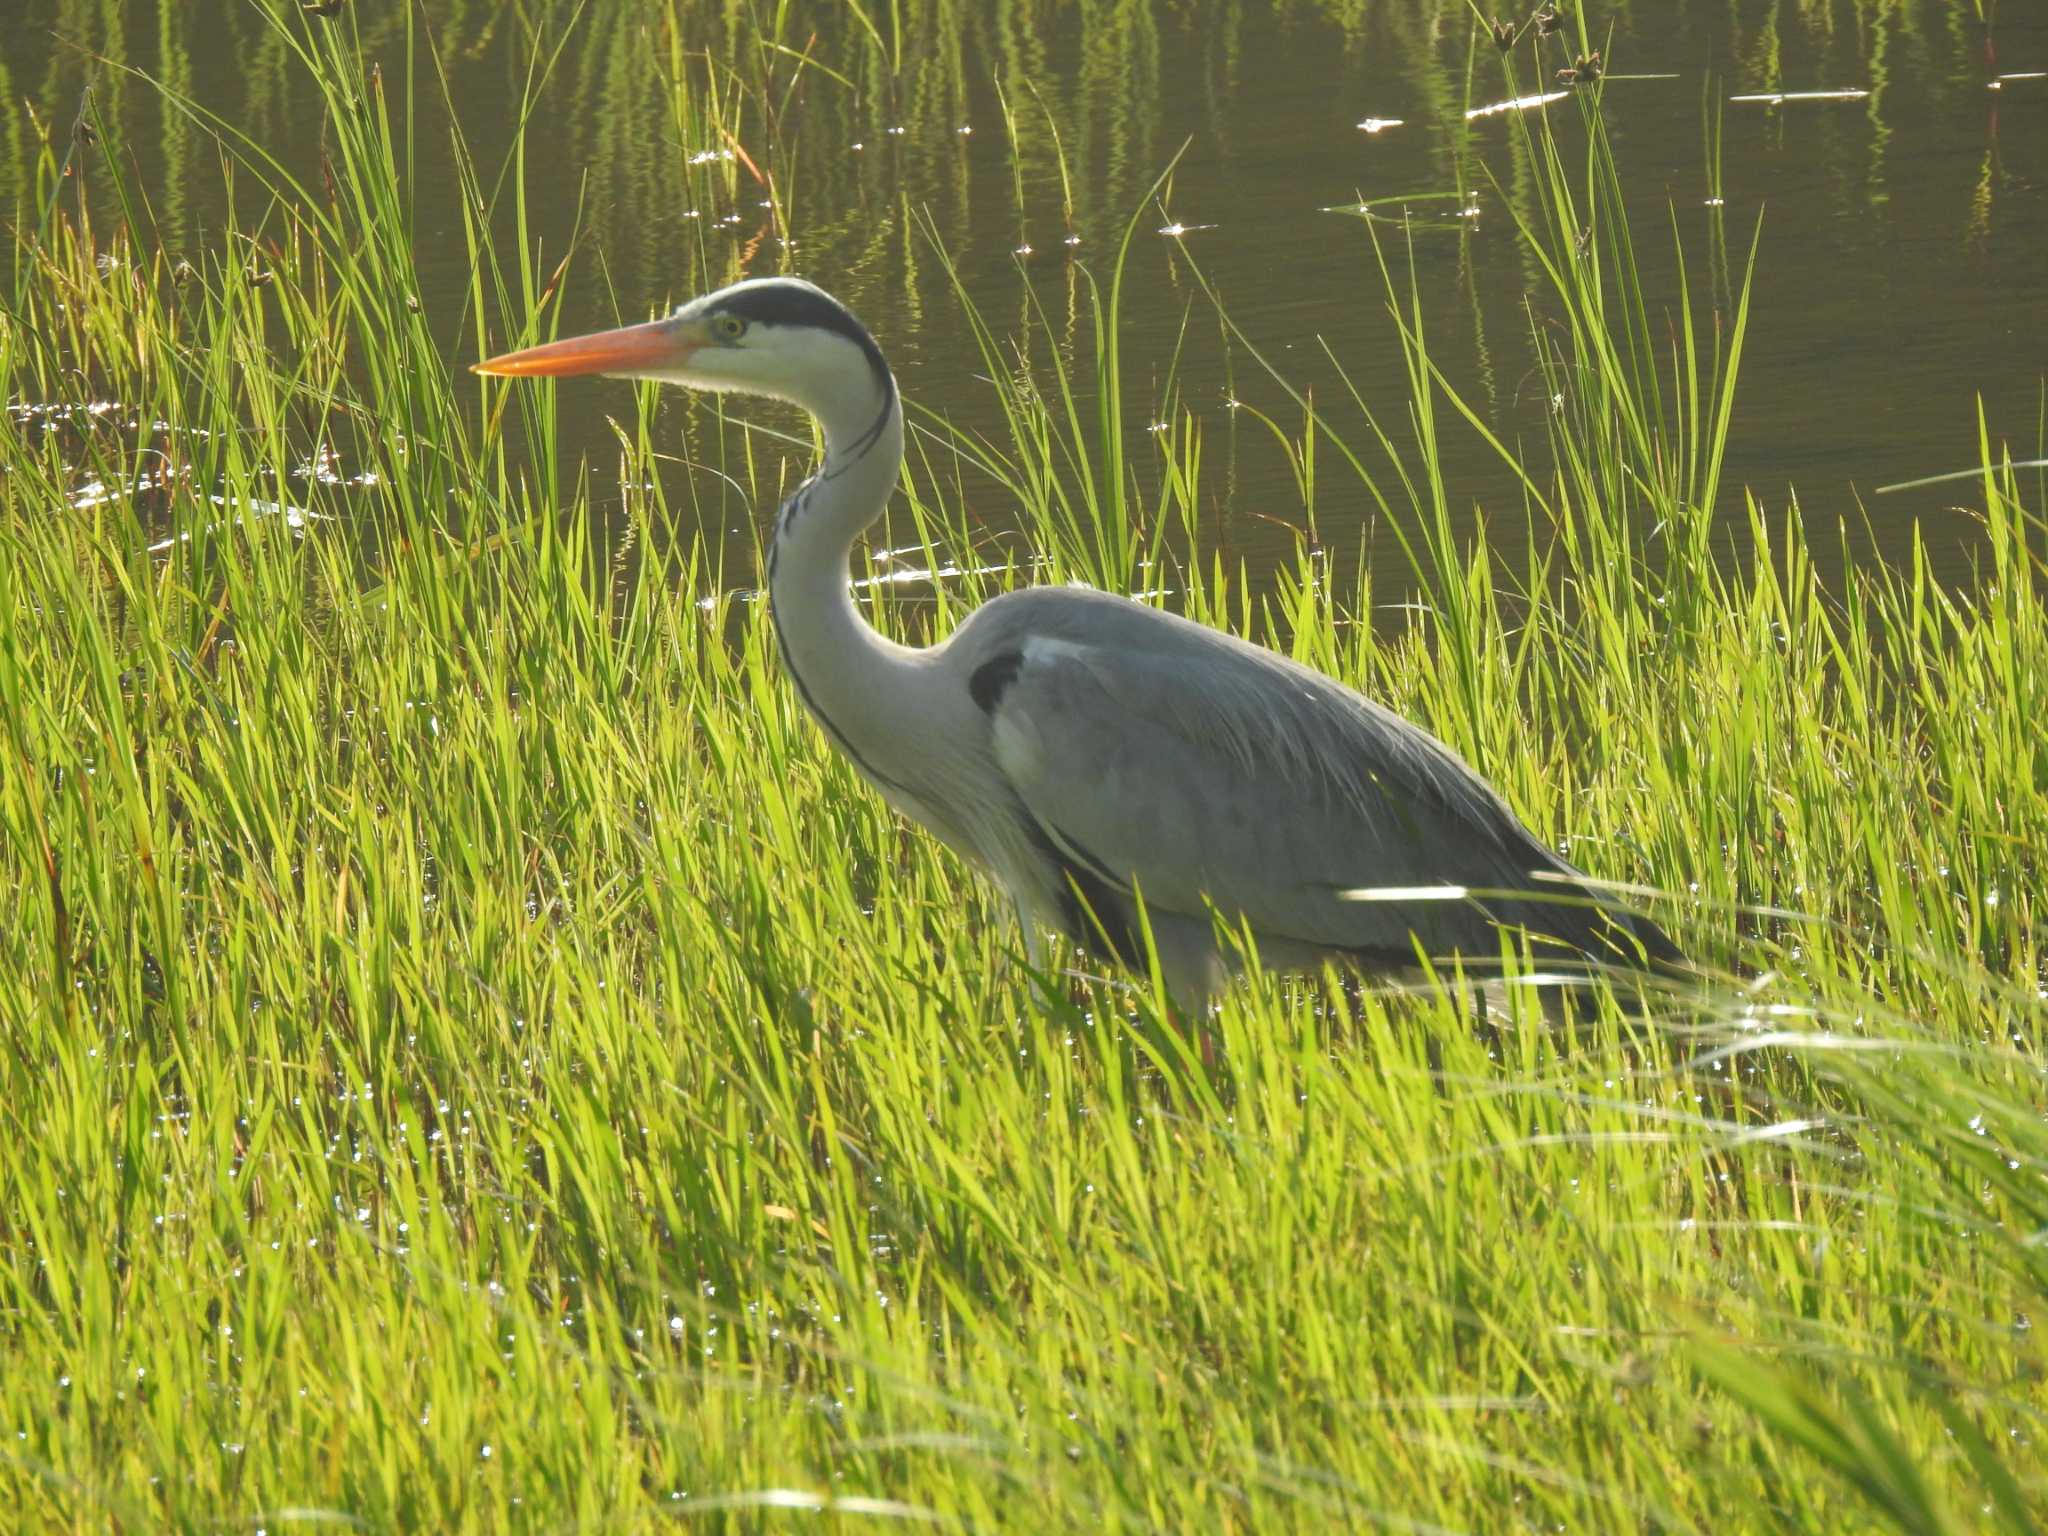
(1903, 272)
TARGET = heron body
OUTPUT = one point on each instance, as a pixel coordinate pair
(1094, 754)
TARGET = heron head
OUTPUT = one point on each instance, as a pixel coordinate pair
(777, 336)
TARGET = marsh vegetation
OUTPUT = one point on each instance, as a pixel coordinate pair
(476, 1058)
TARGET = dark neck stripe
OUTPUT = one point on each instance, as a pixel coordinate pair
(858, 448)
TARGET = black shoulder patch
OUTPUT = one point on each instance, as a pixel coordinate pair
(987, 684)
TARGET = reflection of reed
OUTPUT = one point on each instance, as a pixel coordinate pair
(681, 144)
(13, 137)
(643, 101)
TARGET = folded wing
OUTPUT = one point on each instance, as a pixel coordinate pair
(1172, 760)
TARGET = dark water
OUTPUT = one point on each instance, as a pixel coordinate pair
(1903, 272)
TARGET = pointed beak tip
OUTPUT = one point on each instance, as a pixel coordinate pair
(630, 350)
(508, 365)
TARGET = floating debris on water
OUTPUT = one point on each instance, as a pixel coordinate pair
(907, 576)
(97, 493)
(1957, 474)
(1401, 209)
(1778, 98)
(912, 574)
(1405, 893)
(294, 518)
(1518, 104)
(151, 488)
(83, 416)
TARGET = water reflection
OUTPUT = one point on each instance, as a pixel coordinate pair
(1897, 152)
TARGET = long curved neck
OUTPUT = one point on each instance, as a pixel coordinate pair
(847, 673)
(815, 531)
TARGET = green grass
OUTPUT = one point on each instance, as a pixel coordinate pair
(477, 1059)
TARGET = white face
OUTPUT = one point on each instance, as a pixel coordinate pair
(758, 338)
(720, 350)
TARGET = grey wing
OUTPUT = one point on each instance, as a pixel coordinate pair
(1199, 770)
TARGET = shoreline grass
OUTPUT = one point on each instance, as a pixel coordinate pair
(478, 1060)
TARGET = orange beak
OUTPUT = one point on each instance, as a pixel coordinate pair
(632, 349)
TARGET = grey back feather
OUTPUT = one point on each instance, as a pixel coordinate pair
(1198, 768)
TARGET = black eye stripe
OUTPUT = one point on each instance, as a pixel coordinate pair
(779, 302)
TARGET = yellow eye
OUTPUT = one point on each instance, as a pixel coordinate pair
(729, 327)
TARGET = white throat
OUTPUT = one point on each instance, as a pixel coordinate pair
(860, 686)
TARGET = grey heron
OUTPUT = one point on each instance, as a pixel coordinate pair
(1091, 752)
